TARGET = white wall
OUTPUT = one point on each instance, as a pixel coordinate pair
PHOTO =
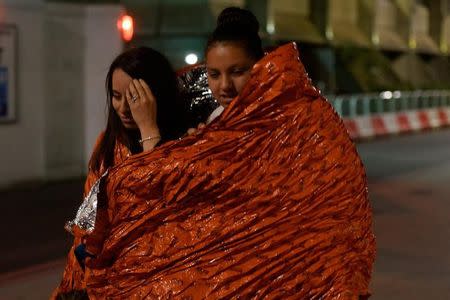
(64, 90)
(104, 45)
(64, 51)
(22, 147)
(81, 42)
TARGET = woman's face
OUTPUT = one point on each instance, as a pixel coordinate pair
(120, 83)
(228, 66)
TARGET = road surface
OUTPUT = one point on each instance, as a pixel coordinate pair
(409, 187)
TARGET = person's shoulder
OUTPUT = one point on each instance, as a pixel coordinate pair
(98, 142)
(99, 138)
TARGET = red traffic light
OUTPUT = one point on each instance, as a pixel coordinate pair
(125, 24)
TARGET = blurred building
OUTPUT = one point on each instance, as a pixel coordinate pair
(347, 45)
(63, 50)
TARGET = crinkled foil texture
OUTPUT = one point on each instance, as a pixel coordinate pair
(270, 201)
(193, 83)
(87, 212)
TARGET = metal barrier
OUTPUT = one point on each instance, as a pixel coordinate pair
(348, 106)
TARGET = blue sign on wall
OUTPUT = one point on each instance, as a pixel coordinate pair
(8, 47)
(3, 91)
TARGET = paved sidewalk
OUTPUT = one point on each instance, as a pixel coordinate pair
(34, 242)
(34, 283)
(409, 192)
(32, 222)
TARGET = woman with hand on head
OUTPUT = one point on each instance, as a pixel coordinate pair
(267, 201)
(144, 111)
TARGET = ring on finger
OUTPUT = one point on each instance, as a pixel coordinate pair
(134, 98)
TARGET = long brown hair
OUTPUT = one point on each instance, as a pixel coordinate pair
(152, 67)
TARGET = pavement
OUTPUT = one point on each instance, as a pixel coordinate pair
(409, 188)
(34, 242)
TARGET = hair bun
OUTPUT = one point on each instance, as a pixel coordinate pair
(235, 17)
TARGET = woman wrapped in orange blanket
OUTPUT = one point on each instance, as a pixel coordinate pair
(134, 126)
(267, 201)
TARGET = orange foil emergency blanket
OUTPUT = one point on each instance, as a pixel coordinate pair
(73, 282)
(270, 201)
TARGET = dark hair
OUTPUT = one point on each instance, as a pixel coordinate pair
(240, 26)
(152, 67)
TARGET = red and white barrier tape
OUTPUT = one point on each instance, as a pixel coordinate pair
(399, 122)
